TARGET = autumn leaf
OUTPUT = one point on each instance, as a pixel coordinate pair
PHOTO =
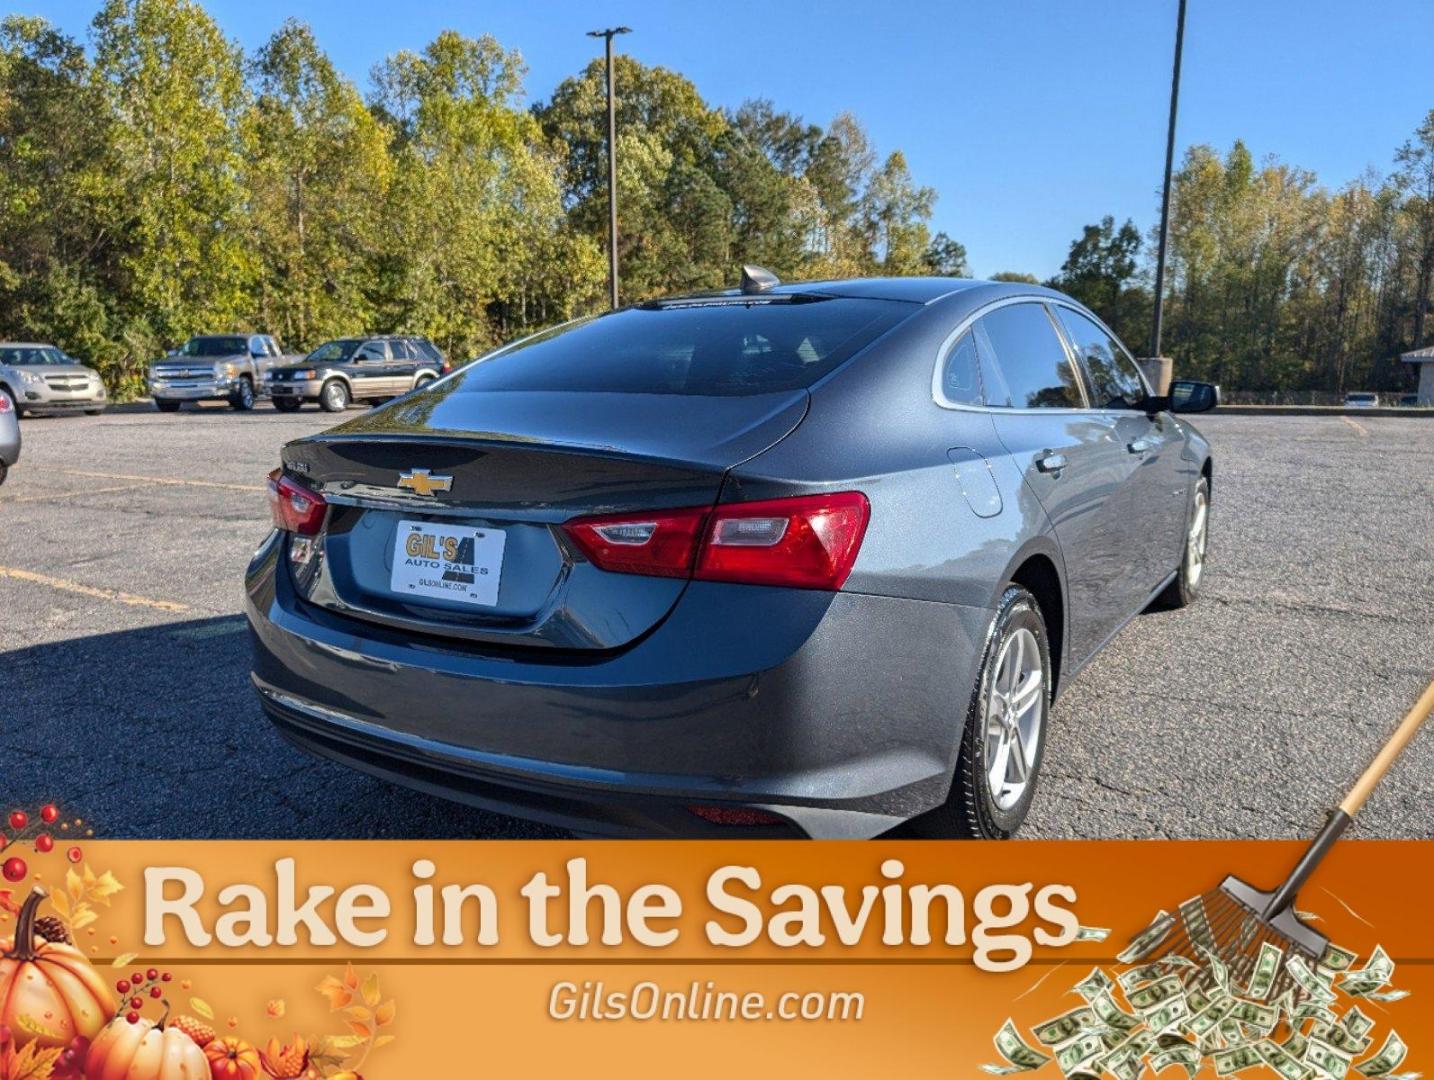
(351, 979)
(25, 1022)
(359, 1013)
(61, 903)
(383, 1015)
(339, 1042)
(7, 902)
(123, 960)
(103, 888)
(202, 1007)
(33, 1063)
(363, 1031)
(74, 885)
(371, 993)
(338, 994)
(383, 1040)
(276, 1008)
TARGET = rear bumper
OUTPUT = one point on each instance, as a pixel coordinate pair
(841, 713)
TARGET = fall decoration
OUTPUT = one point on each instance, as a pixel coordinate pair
(144, 1050)
(365, 1014)
(286, 1062)
(231, 1058)
(49, 994)
(197, 1030)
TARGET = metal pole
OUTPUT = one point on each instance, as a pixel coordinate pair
(607, 36)
(1165, 198)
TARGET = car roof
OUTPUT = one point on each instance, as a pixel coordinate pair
(911, 290)
(27, 345)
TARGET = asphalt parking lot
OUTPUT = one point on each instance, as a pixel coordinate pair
(124, 659)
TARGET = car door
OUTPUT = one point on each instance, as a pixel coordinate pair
(1153, 504)
(1070, 456)
(368, 370)
(404, 365)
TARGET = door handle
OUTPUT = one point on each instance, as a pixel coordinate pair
(1140, 446)
(1052, 463)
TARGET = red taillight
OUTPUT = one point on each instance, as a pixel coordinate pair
(5, 405)
(294, 508)
(661, 543)
(807, 542)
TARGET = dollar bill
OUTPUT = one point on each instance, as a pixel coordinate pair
(1257, 1015)
(1236, 1058)
(1391, 1055)
(1149, 939)
(1313, 1010)
(1197, 922)
(1168, 1015)
(1308, 981)
(1067, 1026)
(1267, 966)
(1387, 995)
(1112, 1015)
(1208, 1019)
(1151, 996)
(1094, 984)
(1338, 1036)
(1355, 1022)
(1375, 974)
(1185, 1055)
(1217, 969)
(1281, 1060)
(1296, 1043)
(1092, 933)
(1020, 1056)
(1335, 958)
(1084, 1049)
(1328, 1059)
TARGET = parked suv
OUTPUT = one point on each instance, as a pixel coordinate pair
(214, 367)
(41, 378)
(356, 369)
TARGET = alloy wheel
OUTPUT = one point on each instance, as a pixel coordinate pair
(1196, 540)
(1015, 711)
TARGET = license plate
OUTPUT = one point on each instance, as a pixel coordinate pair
(447, 562)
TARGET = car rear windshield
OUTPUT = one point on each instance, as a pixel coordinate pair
(24, 357)
(724, 348)
(215, 346)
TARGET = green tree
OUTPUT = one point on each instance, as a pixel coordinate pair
(174, 89)
(946, 257)
(895, 212)
(1098, 272)
(1415, 180)
(317, 174)
(1016, 276)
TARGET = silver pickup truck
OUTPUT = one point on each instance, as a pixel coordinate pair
(215, 367)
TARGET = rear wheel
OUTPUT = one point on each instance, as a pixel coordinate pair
(334, 397)
(93, 412)
(1004, 738)
(242, 400)
(288, 404)
(422, 381)
(4, 471)
(1186, 587)
(166, 406)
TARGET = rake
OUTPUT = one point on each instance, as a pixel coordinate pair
(1234, 921)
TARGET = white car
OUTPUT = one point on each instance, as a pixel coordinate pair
(40, 378)
(1361, 401)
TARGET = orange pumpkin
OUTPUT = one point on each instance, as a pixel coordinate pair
(144, 1051)
(232, 1059)
(49, 994)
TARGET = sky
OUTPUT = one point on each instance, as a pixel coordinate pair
(1030, 118)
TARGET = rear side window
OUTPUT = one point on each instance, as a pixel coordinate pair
(961, 374)
(726, 348)
(1111, 376)
(1030, 357)
(426, 350)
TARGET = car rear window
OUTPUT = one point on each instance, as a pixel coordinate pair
(725, 348)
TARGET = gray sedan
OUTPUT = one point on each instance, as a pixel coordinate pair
(806, 559)
(9, 436)
(39, 378)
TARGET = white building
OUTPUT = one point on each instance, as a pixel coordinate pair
(1423, 360)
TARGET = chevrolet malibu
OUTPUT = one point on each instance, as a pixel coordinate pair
(808, 559)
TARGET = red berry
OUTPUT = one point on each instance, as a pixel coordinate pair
(132, 1017)
(166, 977)
(49, 813)
(44, 843)
(68, 1057)
(136, 1003)
(137, 978)
(122, 986)
(19, 819)
(14, 869)
(152, 974)
(74, 854)
(155, 991)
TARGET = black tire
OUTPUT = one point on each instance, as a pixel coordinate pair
(284, 404)
(972, 809)
(242, 400)
(94, 412)
(1183, 591)
(334, 396)
(4, 471)
(166, 406)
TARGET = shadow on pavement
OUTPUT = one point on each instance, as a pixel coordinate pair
(155, 732)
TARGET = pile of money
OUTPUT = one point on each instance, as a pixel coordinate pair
(1194, 1012)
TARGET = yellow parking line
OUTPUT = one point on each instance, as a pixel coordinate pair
(68, 494)
(163, 480)
(90, 590)
(1363, 434)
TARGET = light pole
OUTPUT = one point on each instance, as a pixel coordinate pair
(607, 36)
(1165, 198)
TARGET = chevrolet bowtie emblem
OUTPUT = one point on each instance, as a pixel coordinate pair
(423, 482)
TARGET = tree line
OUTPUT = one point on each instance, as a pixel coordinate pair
(160, 182)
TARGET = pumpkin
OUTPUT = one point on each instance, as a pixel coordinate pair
(144, 1050)
(49, 994)
(232, 1059)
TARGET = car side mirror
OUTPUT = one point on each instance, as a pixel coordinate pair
(1189, 396)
